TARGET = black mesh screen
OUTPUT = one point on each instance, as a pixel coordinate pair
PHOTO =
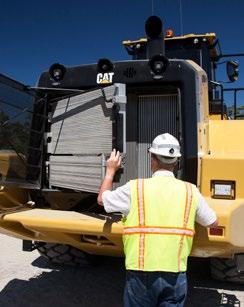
(16, 114)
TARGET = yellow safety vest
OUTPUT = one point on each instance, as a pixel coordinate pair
(159, 228)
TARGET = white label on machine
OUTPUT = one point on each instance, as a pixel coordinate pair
(222, 189)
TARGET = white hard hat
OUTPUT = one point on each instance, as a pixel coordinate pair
(166, 145)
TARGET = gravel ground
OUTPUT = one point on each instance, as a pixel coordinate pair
(28, 280)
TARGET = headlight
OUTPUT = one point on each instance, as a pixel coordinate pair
(57, 72)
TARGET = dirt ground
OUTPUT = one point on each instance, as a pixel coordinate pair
(28, 280)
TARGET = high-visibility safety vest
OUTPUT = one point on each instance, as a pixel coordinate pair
(159, 229)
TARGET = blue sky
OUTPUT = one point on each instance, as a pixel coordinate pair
(35, 34)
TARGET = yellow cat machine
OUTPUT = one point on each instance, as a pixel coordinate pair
(55, 139)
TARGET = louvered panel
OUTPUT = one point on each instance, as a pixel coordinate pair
(157, 114)
(74, 172)
(81, 132)
(82, 124)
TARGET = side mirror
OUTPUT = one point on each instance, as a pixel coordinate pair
(232, 70)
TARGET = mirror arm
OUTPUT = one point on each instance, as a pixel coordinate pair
(230, 55)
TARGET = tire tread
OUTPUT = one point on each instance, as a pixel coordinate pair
(224, 269)
(65, 254)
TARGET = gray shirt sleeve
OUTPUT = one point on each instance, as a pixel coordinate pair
(205, 216)
(117, 200)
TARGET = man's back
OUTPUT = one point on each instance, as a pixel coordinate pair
(164, 197)
(162, 214)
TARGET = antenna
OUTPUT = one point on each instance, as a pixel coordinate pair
(152, 7)
(181, 20)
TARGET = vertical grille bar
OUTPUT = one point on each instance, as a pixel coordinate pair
(157, 114)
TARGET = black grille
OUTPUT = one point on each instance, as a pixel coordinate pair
(129, 72)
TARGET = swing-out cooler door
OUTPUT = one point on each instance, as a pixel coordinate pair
(83, 129)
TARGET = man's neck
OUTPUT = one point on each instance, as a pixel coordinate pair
(164, 169)
(163, 172)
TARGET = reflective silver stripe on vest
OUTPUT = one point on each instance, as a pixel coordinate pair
(158, 230)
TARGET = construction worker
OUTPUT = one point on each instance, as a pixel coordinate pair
(159, 217)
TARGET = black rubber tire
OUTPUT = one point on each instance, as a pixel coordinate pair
(66, 255)
(225, 269)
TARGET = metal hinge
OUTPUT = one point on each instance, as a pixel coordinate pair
(48, 141)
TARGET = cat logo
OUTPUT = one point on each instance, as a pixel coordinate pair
(104, 78)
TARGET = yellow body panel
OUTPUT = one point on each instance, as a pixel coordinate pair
(224, 161)
(12, 199)
(230, 214)
(225, 137)
(97, 235)
(11, 165)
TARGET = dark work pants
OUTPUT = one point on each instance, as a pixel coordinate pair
(151, 289)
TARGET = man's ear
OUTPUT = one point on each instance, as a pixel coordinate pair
(154, 162)
(153, 156)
